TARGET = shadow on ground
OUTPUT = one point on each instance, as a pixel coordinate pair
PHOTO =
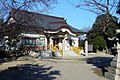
(5, 59)
(29, 72)
(101, 63)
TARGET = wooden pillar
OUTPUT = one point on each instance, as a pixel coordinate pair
(51, 43)
(63, 46)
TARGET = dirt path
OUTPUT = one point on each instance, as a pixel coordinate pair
(49, 70)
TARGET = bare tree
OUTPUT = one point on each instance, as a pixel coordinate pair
(19, 10)
(98, 7)
(7, 7)
(118, 8)
(12, 8)
(29, 5)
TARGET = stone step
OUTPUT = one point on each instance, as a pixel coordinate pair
(114, 70)
(111, 76)
(115, 64)
(68, 53)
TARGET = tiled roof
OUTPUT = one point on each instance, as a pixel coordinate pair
(47, 22)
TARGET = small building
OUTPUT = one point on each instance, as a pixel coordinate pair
(40, 31)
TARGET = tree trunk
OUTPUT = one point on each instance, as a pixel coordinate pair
(106, 50)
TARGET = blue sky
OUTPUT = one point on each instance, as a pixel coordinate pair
(75, 17)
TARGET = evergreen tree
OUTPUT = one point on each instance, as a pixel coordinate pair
(96, 35)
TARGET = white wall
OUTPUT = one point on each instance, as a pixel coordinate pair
(75, 40)
(67, 45)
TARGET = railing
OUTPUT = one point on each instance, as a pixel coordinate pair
(56, 48)
(31, 47)
(76, 49)
(34, 47)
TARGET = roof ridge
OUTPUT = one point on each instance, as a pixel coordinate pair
(13, 10)
(57, 22)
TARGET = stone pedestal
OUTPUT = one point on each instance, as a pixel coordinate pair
(114, 69)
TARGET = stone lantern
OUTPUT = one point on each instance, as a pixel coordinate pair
(114, 68)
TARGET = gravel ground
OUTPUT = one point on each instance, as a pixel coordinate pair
(76, 68)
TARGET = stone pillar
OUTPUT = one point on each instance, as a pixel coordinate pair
(114, 69)
(86, 48)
